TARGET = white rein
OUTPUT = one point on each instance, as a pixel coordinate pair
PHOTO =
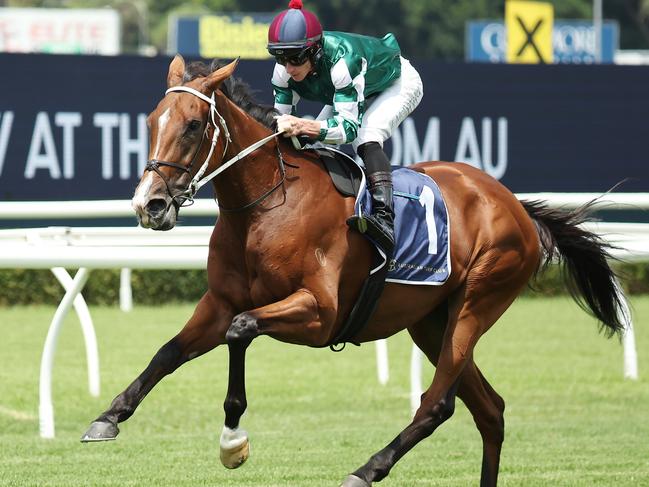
(198, 180)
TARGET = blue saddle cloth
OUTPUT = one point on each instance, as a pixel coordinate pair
(421, 254)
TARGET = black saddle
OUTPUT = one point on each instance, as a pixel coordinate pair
(345, 173)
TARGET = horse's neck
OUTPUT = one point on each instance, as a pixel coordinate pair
(253, 175)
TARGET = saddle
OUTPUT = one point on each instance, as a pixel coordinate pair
(421, 254)
(343, 170)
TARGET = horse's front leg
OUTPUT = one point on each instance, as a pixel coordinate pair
(295, 319)
(204, 331)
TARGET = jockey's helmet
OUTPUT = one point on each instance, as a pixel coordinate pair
(295, 35)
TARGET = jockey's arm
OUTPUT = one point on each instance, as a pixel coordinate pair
(285, 101)
(341, 128)
(285, 98)
(348, 79)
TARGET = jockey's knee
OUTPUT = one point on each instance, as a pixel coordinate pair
(366, 147)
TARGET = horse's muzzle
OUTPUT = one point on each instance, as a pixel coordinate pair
(156, 214)
(156, 209)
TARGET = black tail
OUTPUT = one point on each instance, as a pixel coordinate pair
(583, 256)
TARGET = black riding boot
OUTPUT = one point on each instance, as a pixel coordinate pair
(380, 224)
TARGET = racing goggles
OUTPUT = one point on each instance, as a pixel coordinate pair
(294, 59)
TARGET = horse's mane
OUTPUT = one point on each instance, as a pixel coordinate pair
(237, 90)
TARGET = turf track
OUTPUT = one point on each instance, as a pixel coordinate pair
(314, 415)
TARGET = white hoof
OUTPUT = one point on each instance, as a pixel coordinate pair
(354, 481)
(235, 447)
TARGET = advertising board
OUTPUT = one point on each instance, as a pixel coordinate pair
(74, 127)
(573, 41)
(60, 31)
(220, 35)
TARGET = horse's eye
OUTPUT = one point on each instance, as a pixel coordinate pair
(193, 125)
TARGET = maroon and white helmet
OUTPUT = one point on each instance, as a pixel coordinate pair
(293, 34)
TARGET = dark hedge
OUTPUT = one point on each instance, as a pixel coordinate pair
(19, 287)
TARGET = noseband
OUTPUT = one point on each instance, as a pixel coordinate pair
(186, 197)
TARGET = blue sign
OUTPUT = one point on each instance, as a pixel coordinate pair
(573, 41)
(533, 127)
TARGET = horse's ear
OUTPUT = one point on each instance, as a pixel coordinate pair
(176, 71)
(216, 78)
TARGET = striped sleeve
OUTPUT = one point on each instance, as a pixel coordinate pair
(285, 97)
(348, 77)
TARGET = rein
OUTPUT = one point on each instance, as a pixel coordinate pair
(198, 181)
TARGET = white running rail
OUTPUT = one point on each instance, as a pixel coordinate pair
(58, 248)
(39, 210)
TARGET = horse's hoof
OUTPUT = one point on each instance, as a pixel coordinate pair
(100, 431)
(236, 457)
(354, 481)
(235, 447)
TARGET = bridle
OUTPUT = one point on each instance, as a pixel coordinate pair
(186, 196)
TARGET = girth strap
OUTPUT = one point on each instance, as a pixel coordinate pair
(363, 309)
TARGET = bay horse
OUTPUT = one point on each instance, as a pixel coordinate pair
(282, 262)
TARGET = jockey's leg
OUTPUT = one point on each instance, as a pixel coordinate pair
(384, 114)
(380, 224)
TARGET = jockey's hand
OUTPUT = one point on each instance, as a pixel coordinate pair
(289, 125)
(293, 126)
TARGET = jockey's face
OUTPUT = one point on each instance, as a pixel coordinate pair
(298, 73)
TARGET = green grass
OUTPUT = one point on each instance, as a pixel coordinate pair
(314, 415)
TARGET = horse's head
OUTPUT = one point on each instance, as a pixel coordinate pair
(183, 137)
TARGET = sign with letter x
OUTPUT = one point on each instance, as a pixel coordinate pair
(529, 31)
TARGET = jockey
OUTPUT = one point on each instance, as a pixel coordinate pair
(367, 88)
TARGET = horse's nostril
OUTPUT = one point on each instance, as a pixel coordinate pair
(156, 207)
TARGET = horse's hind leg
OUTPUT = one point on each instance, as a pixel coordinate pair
(472, 310)
(484, 403)
(487, 408)
(204, 331)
